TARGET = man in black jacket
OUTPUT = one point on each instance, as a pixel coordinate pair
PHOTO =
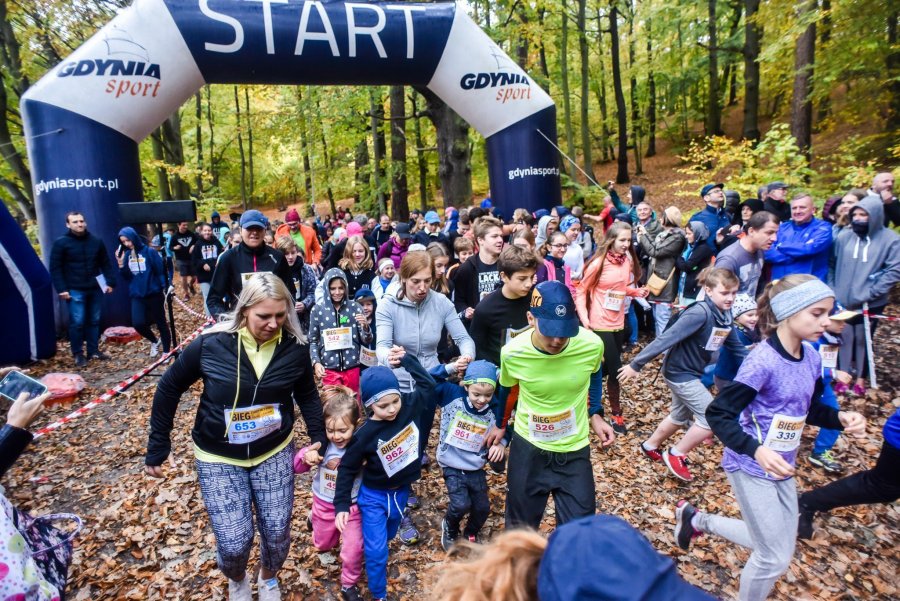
(82, 273)
(204, 256)
(776, 201)
(239, 263)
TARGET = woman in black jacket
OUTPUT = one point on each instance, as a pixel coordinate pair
(254, 365)
(696, 257)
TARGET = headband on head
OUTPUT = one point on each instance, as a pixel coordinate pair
(792, 301)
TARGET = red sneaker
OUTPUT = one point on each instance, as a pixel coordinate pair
(654, 454)
(676, 465)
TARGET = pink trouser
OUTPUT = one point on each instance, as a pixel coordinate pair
(326, 537)
(348, 378)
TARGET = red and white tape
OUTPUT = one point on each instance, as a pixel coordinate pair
(188, 308)
(118, 388)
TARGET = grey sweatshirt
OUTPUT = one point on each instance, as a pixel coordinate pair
(690, 339)
(863, 270)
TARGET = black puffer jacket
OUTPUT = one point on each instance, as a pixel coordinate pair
(228, 281)
(75, 262)
(213, 357)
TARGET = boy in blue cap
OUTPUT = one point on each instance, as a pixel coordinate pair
(556, 368)
(466, 419)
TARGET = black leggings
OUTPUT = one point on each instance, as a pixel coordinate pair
(150, 310)
(881, 484)
(612, 363)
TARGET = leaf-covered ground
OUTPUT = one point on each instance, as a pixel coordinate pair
(149, 539)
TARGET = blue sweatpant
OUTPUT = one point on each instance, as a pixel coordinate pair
(826, 438)
(381, 511)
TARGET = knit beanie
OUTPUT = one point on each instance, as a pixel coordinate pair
(377, 382)
(742, 304)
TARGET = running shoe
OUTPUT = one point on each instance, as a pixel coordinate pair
(684, 529)
(826, 461)
(409, 535)
(805, 523)
(239, 590)
(618, 425)
(653, 454)
(100, 356)
(154, 349)
(268, 589)
(412, 502)
(448, 539)
(841, 388)
(676, 465)
(351, 593)
(859, 390)
(80, 360)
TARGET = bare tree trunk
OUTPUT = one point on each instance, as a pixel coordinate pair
(421, 161)
(651, 92)
(542, 52)
(636, 129)
(804, 61)
(240, 140)
(11, 72)
(713, 110)
(454, 152)
(399, 184)
(162, 178)
(304, 150)
(376, 115)
(752, 38)
(608, 152)
(892, 81)
(824, 39)
(585, 92)
(213, 163)
(360, 165)
(252, 186)
(564, 88)
(198, 132)
(622, 170)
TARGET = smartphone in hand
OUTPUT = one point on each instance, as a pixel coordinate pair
(15, 383)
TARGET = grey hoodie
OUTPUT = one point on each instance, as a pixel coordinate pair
(417, 328)
(324, 316)
(863, 270)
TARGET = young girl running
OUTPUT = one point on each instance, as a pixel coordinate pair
(760, 419)
(386, 450)
(342, 416)
(693, 337)
(600, 301)
(357, 265)
(554, 267)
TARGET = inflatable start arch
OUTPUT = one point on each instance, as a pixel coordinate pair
(84, 119)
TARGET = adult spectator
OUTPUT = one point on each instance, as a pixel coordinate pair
(414, 217)
(77, 260)
(219, 228)
(745, 258)
(747, 209)
(181, 244)
(776, 201)
(732, 203)
(143, 269)
(397, 245)
(713, 216)
(251, 255)
(866, 267)
(357, 227)
(635, 196)
(371, 224)
(243, 430)
(480, 275)
(664, 251)
(204, 256)
(303, 236)
(432, 232)
(696, 257)
(883, 187)
(804, 242)
(383, 232)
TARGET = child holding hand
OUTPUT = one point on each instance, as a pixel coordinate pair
(466, 419)
(342, 415)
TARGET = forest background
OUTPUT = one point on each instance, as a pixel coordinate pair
(806, 92)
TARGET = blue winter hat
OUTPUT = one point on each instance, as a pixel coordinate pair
(254, 218)
(561, 211)
(486, 203)
(553, 307)
(364, 294)
(481, 372)
(432, 217)
(631, 568)
(540, 213)
(376, 383)
(567, 222)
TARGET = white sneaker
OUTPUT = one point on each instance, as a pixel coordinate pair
(268, 589)
(154, 351)
(239, 591)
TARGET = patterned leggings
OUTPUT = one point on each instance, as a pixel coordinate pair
(228, 492)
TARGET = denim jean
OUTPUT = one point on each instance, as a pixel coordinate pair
(467, 492)
(661, 315)
(84, 319)
(633, 325)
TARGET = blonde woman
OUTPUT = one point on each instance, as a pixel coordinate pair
(254, 365)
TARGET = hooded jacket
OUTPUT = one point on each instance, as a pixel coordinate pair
(638, 195)
(664, 251)
(695, 258)
(393, 251)
(541, 237)
(205, 252)
(311, 247)
(417, 328)
(234, 264)
(865, 268)
(714, 219)
(325, 316)
(143, 267)
(803, 248)
(75, 262)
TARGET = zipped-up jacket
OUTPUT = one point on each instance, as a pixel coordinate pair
(228, 278)
(324, 316)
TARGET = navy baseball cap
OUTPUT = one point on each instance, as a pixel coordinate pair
(554, 308)
(706, 189)
(402, 230)
(777, 186)
(253, 218)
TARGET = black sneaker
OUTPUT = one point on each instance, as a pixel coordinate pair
(826, 461)
(80, 361)
(684, 529)
(805, 523)
(100, 356)
(618, 425)
(351, 593)
(448, 539)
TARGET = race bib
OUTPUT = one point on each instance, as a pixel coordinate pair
(548, 428)
(252, 423)
(209, 252)
(399, 451)
(717, 338)
(367, 357)
(466, 432)
(784, 432)
(246, 276)
(137, 264)
(613, 300)
(511, 333)
(829, 353)
(337, 339)
(329, 484)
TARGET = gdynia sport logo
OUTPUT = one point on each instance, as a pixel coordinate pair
(127, 65)
(510, 86)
